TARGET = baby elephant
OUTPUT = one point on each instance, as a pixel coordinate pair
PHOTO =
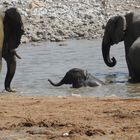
(78, 78)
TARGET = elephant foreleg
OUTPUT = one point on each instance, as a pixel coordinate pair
(129, 56)
(1, 41)
(134, 64)
(132, 74)
(0, 61)
(11, 68)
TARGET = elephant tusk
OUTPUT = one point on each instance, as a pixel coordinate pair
(15, 53)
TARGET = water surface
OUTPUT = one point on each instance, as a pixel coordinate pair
(44, 60)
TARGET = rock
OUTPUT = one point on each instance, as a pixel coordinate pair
(60, 20)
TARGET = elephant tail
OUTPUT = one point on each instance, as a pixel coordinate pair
(57, 84)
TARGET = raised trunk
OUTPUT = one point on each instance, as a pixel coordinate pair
(106, 44)
(57, 84)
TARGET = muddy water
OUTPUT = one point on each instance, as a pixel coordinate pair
(41, 61)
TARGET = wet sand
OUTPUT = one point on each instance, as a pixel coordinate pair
(69, 118)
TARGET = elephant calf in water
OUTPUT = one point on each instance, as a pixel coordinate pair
(78, 78)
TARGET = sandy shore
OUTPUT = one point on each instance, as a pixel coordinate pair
(69, 118)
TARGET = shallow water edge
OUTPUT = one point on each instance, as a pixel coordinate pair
(44, 60)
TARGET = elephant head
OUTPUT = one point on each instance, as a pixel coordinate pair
(13, 30)
(75, 76)
(114, 33)
(78, 78)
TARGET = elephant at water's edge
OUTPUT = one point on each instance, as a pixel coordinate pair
(124, 28)
(78, 78)
(11, 30)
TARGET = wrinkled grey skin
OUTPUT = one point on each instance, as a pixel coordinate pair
(124, 28)
(11, 31)
(78, 78)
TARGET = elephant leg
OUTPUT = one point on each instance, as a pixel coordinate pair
(1, 40)
(128, 59)
(132, 73)
(133, 61)
(0, 55)
(0, 65)
(130, 69)
(11, 68)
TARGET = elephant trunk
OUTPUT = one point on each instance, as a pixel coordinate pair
(106, 44)
(57, 84)
(67, 79)
(13, 51)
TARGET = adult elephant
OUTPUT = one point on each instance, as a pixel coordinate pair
(11, 30)
(124, 28)
(78, 78)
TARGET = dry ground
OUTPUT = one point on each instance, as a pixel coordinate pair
(69, 118)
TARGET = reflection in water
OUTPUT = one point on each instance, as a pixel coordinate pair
(52, 60)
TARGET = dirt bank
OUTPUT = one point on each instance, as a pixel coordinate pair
(69, 118)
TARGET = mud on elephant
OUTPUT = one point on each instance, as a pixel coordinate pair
(124, 28)
(11, 30)
(78, 78)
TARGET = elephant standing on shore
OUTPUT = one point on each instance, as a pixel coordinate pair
(124, 28)
(78, 78)
(11, 30)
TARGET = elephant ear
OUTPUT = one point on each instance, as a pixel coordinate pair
(13, 28)
(117, 29)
